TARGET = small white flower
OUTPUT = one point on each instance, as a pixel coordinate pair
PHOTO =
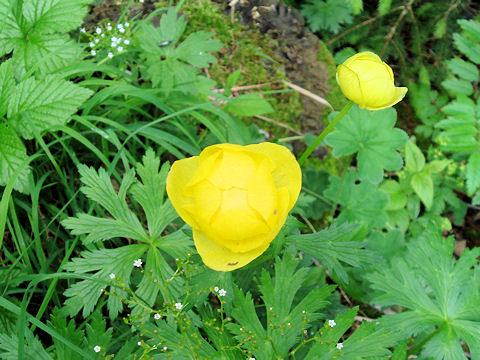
(114, 44)
(215, 288)
(157, 316)
(140, 1)
(82, 30)
(110, 55)
(122, 30)
(109, 28)
(127, 24)
(126, 42)
(112, 275)
(179, 306)
(165, 348)
(331, 323)
(120, 26)
(98, 30)
(137, 263)
(139, 343)
(120, 49)
(339, 346)
(114, 38)
(101, 290)
(96, 41)
(108, 24)
(103, 35)
(97, 348)
(252, 358)
(91, 44)
(222, 292)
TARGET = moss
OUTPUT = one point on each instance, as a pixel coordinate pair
(247, 49)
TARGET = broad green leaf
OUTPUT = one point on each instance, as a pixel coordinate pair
(437, 166)
(397, 196)
(473, 173)
(372, 135)
(414, 159)
(422, 184)
(12, 154)
(360, 202)
(458, 86)
(249, 105)
(41, 104)
(470, 48)
(7, 85)
(463, 69)
(47, 53)
(49, 16)
(10, 29)
(196, 47)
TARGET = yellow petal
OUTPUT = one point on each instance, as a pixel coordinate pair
(236, 225)
(235, 169)
(180, 174)
(206, 165)
(220, 258)
(287, 172)
(262, 192)
(350, 85)
(208, 199)
(364, 55)
(398, 95)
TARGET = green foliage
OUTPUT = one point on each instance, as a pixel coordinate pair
(35, 32)
(359, 201)
(172, 65)
(113, 267)
(438, 294)
(327, 15)
(372, 136)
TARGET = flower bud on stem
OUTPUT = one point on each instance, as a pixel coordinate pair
(324, 133)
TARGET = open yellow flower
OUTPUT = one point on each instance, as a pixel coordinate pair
(367, 81)
(235, 198)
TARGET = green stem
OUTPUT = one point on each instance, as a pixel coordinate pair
(324, 133)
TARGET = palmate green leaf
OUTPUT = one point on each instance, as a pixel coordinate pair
(327, 15)
(97, 333)
(86, 293)
(33, 347)
(41, 104)
(285, 313)
(370, 134)
(367, 342)
(49, 16)
(337, 245)
(121, 222)
(437, 292)
(196, 47)
(12, 154)
(98, 187)
(362, 202)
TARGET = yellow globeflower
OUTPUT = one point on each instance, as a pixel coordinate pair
(235, 198)
(366, 80)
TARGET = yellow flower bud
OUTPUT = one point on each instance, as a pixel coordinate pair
(235, 198)
(367, 81)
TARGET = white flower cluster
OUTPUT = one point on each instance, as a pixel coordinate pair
(117, 44)
(221, 292)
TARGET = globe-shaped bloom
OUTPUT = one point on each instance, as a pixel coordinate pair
(367, 81)
(235, 198)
